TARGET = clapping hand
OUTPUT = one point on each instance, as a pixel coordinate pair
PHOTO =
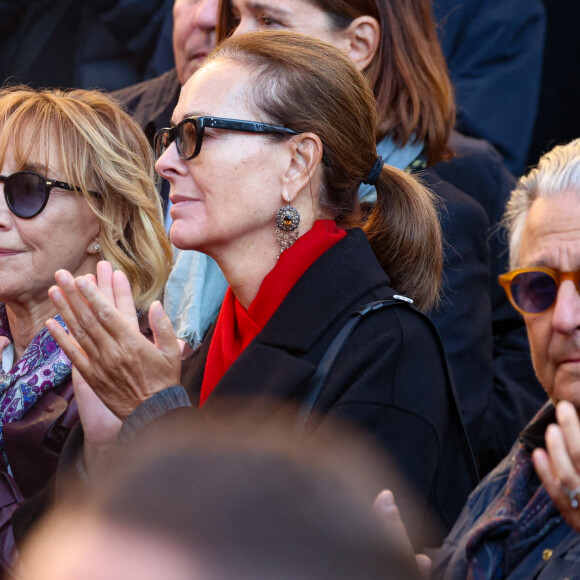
(559, 465)
(105, 345)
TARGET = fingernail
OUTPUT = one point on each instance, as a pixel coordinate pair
(62, 276)
(81, 283)
(157, 310)
(55, 294)
(385, 501)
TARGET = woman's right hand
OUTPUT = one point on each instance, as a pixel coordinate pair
(122, 366)
(100, 428)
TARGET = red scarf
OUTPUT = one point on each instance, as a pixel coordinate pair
(236, 327)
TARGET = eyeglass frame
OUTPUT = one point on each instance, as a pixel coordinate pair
(48, 183)
(558, 276)
(201, 122)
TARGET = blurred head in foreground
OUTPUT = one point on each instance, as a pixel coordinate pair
(224, 506)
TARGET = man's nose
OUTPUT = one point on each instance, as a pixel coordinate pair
(206, 15)
(566, 315)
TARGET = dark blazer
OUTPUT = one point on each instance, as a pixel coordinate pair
(390, 378)
(87, 44)
(516, 395)
(463, 318)
(494, 51)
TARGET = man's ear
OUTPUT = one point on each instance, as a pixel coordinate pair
(363, 38)
(305, 158)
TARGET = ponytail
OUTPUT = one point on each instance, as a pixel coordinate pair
(307, 85)
(405, 235)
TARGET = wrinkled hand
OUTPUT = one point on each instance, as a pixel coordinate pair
(558, 466)
(387, 510)
(105, 345)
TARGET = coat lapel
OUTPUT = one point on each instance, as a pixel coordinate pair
(282, 359)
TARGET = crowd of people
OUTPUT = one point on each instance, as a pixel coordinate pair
(241, 298)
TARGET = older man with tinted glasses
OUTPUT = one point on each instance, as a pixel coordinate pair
(514, 524)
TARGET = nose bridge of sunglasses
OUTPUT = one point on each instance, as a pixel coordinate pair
(572, 276)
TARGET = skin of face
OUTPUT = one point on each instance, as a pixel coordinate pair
(194, 23)
(32, 250)
(294, 15)
(551, 237)
(91, 548)
(225, 200)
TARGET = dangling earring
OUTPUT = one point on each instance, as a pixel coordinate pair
(287, 221)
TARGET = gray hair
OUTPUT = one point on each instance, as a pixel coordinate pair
(558, 171)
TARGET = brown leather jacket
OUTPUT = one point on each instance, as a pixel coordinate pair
(33, 445)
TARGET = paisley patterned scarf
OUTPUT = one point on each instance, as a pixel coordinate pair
(42, 367)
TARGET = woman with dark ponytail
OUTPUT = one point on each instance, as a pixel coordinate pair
(272, 138)
(395, 43)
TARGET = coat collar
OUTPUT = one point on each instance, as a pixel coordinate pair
(336, 282)
(344, 278)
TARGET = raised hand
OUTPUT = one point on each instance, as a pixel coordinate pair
(121, 366)
(559, 465)
(387, 510)
(100, 428)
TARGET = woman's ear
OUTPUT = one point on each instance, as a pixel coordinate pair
(363, 38)
(94, 247)
(305, 159)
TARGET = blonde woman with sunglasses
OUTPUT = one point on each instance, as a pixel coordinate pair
(77, 186)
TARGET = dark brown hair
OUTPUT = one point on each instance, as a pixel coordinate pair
(408, 75)
(310, 86)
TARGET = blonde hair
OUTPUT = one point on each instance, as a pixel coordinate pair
(310, 86)
(558, 171)
(102, 150)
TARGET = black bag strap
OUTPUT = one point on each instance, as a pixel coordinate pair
(328, 359)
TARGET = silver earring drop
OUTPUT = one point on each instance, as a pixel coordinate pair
(287, 221)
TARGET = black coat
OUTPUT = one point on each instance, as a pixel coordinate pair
(463, 318)
(506, 405)
(390, 378)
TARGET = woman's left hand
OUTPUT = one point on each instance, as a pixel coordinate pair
(122, 366)
(558, 466)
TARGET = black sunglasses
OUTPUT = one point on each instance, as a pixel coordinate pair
(534, 290)
(27, 192)
(188, 134)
